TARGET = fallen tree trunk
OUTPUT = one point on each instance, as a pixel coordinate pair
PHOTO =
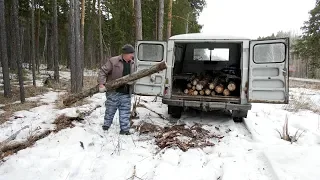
(116, 83)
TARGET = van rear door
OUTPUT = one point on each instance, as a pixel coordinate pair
(149, 53)
(268, 71)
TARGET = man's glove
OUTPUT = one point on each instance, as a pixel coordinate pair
(102, 88)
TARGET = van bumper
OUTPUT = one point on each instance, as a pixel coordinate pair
(207, 106)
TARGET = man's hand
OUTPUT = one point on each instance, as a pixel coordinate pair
(131, 82)
(102, 88)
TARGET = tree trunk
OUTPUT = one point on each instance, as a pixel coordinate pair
(3, 52)
(33, 45)
(17, 47)
(160, 20)
(138, 19)
(78, 57)
(82, 38)
(13, 54)
(116, 83)
(45, 46)
(37, 41)
(50, 58)
(169, 19)
(100, 34)
(55, 41)
(72, 47)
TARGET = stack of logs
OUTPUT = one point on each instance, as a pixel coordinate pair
(208, 86)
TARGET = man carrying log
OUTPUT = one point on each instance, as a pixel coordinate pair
(120, 98)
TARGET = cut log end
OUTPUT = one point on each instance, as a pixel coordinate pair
(219, 89)
(195, 93)
(231, 86)
(207, 92)
(226, 92)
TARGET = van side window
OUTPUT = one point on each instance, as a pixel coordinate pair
(269, 53)
(150, 52)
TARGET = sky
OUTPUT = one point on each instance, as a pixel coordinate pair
(254, 18)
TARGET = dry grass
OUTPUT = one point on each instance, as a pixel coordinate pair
(285, 135)
(301, 103)
(30, 91)
(11, 108)
(306, 85)
(63, 122)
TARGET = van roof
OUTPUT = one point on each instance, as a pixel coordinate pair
(204, 36)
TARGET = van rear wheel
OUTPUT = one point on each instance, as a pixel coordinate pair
(238, 115)
(175, 111)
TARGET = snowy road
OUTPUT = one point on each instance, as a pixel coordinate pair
(250, 150)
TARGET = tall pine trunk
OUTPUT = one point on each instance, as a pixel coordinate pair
(82, 34)
(3, 52)
(137, 8)
(169, 19)
(17, 47)
(38, 40)
(160, 20)
(75, 48)
(79, 71)
(100, 34)
(72, 47)
(33, 56)
(55, 41)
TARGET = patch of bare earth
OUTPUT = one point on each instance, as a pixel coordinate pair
(8, 148)
(30, 91)
(10, 109)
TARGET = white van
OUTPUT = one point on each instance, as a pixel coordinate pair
(262, 66)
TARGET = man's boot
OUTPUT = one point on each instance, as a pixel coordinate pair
(105, 128)
(124, 132)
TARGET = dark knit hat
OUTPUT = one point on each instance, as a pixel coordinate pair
(127, 49)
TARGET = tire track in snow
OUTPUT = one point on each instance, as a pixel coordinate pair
(243, 160)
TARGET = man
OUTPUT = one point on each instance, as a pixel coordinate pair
(120, 98)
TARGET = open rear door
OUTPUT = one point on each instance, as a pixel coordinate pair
(147, 54)
(268, 71)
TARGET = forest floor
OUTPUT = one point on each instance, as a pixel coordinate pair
(81, 150)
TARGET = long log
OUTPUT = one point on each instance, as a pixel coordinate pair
(116, 83)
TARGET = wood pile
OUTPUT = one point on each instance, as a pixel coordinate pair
(220, 84)
(179, 136)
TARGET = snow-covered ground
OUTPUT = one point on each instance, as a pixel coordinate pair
(250, 150)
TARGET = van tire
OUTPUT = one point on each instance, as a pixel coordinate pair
(238, 119)
(175, 111)
(238, 115)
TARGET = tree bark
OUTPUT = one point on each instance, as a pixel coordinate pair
(78, 57)
(3, 52)
(13, 54)
(72, 47)
(169, 19)
(160, 20)
(33, 45)
(138, 19)
(100, 34)
(38, 40)
(82, 37)
(55, 42)
(17, 47)
(115, 83)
